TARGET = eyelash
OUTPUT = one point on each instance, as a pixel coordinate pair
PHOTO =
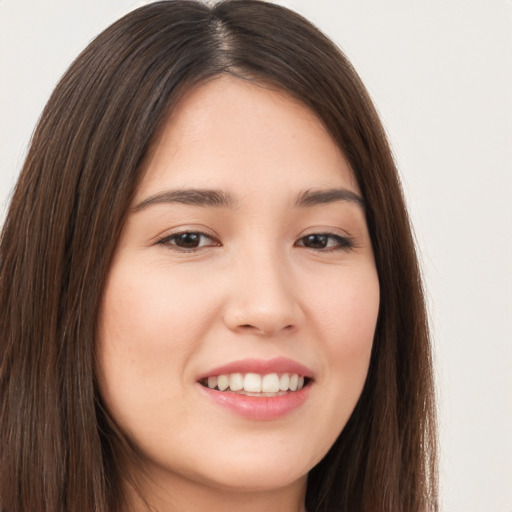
(168, 241)
(341, 243)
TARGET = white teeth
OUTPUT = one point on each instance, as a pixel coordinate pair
(223, 382)
(270, 383)
(294, 382)
(254, 384)
(236, 382)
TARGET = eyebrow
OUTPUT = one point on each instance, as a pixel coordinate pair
(193, 196)
(222, 199)
(318, 197)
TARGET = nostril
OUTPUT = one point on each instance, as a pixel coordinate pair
(248, 327)
(266, 330)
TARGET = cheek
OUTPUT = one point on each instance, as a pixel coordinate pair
(149, 327)
(346, 311)
(152, 311)
(347, 319)
(359, 309)
(344, 315)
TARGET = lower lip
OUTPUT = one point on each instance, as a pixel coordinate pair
(259, 407)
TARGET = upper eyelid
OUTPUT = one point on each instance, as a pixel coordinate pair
(176, 231)
(347, 238)
(166, 241)
(190, 231)
(169, 236)
(183, 231)
(326, 233)
(326, 230)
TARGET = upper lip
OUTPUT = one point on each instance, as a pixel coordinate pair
(261, 366)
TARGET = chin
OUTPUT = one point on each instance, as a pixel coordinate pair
(258, 479)
(261, 469)
(238, 472)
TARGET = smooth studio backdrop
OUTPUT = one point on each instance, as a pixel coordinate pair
(440, 73)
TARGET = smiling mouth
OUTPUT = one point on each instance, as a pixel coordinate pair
(254, 384)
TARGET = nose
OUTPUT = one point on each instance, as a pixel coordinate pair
(263, 298)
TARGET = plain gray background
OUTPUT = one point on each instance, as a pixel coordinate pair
(440, 72)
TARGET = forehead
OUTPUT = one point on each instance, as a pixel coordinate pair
(229, 133)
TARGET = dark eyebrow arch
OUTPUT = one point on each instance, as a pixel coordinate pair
(318, 197)
(192, 196)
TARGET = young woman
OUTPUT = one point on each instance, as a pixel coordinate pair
(209, 294)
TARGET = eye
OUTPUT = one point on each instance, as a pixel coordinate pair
(189, 240)
(326, 242)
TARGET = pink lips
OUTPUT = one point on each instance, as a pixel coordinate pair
(259, 407)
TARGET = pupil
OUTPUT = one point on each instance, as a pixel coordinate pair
(316, 241)
(188, 240)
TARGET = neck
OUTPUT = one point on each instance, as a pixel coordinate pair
(176, 493)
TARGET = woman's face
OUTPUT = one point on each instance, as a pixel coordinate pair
(245, 262)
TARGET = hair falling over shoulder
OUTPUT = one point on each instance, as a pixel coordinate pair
(59, 449)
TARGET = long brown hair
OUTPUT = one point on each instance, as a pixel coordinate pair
(59, 449)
